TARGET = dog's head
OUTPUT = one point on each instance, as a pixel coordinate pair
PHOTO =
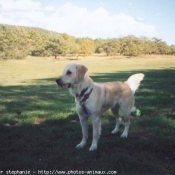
(72, 74)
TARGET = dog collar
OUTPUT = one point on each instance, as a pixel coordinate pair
(85, 97)
(82, 92)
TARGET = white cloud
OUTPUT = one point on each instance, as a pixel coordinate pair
(72, 19)
(19, 5)
(139, 19)
(49, 8)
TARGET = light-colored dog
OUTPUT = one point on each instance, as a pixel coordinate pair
(93, 99)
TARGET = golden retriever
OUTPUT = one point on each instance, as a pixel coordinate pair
(93, 99)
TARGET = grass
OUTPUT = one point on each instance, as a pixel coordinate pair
(39, 127)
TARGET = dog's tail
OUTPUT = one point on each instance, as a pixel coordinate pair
(134, 81)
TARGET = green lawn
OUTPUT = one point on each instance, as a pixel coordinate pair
(39, 127)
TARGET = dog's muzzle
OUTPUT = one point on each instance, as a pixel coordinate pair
(62, 84)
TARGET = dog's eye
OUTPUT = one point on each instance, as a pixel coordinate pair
(69, 72)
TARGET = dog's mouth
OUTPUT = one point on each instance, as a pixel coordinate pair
(66, 86)
(62, 84)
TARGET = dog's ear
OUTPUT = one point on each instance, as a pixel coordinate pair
(81, 71)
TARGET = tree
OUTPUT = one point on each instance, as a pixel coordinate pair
(69, 45)
(112, 47)
(86, 46)
(132, 46)
(131, 49)
(54, 47)
(99, 45)
(172, 50)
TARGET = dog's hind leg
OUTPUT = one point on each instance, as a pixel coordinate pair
(115, 111)
(84, 126)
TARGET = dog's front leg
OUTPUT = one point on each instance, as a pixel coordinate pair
(96, 132)
(84, 126)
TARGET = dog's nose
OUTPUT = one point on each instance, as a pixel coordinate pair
(58, 80)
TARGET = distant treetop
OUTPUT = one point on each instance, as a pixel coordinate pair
(17, 42)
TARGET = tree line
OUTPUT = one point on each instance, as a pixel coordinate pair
(17, 42)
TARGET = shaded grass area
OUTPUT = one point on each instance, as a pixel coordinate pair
(39, 129)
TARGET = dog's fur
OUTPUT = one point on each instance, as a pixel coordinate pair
(103, 96)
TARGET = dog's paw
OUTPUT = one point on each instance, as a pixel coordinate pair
(115, 131)
(93, 148)
(124, 135)
(81, 145)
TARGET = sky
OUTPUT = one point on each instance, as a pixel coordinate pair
(95, 18)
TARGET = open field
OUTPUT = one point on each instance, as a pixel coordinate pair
(39, 127)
